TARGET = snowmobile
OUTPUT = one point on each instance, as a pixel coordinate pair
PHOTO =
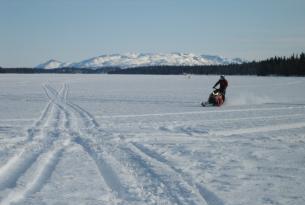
(216, 98)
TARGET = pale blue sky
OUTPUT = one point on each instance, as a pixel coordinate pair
(33, 31)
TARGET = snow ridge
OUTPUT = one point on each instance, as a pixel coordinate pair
(142, 59)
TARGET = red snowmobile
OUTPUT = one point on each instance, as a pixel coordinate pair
(216, 98)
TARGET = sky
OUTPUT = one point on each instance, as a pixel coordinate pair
(34, 31)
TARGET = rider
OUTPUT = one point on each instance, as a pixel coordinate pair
(223, 84)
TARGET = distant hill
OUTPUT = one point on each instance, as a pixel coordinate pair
(143, 59)
(52, 64)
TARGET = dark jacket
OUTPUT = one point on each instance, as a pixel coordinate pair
(223, 84)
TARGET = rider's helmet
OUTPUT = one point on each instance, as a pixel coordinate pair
(222, 77)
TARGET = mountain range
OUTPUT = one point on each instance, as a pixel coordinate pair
(130, 60)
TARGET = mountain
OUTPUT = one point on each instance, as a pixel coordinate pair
(222, 60)
(142, 59)
(51, 64)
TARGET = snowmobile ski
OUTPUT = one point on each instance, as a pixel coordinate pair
(206, 104)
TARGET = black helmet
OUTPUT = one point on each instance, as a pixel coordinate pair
(222, 77)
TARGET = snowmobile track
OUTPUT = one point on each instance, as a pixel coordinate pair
(63, 124)
(89, 146)
(288, 107)
(209, 197)
(107, 171)
(43, 151)
(14, 168)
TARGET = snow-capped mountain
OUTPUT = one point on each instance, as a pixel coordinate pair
(51, 64)
(143, 59)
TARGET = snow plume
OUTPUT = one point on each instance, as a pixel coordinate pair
(246, 98)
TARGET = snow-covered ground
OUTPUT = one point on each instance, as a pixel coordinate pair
(112, 139)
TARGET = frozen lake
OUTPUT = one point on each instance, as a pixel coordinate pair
(136, 139)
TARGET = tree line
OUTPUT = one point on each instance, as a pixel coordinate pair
(281, 66)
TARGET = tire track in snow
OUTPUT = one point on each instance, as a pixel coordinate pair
(191, 128)
(217, 110)
(113, 180)
(161, 181)
(40, 123)
(86, 117)
(107, 172)
(89, 145)
(15, 167)
(47, 164)
(42, 120)
(19, 164)
(177, 188)
(46, 161)
(105, 162)
(209, 197)
(161, 138)
(155, 190)
(67, 117)
(289, 107)
(43, 117)
(267, 128)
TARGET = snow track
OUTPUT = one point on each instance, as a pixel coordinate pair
(214, 156)
(209, 197)
(93, 141)
(169, 176)
(39, 156)
(17, 165)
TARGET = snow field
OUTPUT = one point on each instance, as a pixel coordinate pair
(100, 139)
